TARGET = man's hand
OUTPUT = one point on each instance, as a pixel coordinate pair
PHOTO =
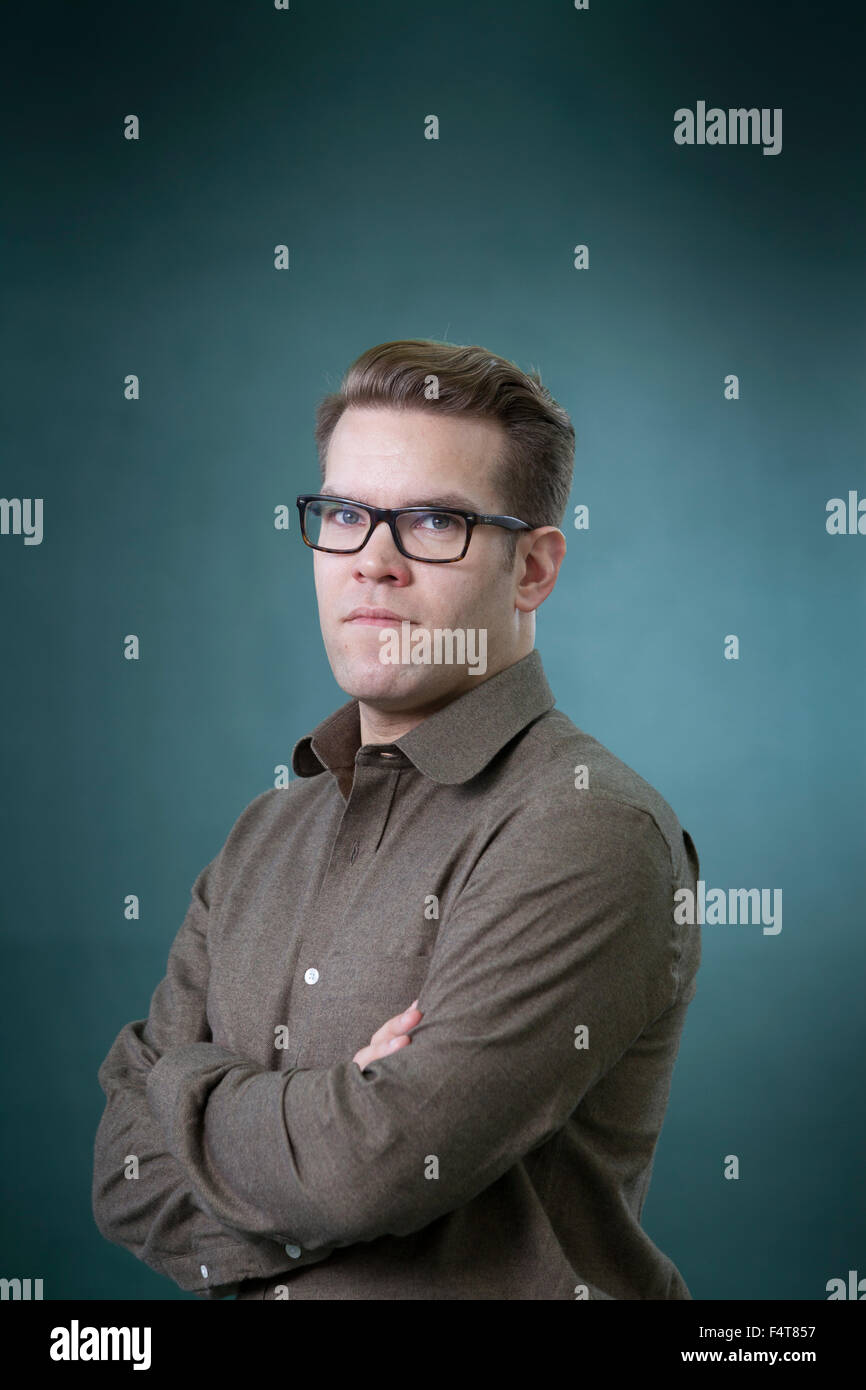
(391, 1036)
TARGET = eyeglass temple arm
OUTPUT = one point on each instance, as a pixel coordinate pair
(511, 523)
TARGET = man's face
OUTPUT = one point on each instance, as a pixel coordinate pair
(395, 458)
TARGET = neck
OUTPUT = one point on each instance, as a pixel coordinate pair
(386, 726)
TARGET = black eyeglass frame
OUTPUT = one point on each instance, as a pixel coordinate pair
(390, 514)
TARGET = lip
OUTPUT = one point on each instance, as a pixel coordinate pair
(375, 616)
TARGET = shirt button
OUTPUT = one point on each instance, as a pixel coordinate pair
(204, 1270)
(293, 1250)
(311, 975)
(354, 855)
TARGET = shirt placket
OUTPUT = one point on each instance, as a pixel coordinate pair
(361, 828)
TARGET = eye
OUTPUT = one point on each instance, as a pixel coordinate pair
(442, 521)
(341, 516)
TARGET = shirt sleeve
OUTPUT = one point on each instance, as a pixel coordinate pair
(142, 1197)
(560, 951)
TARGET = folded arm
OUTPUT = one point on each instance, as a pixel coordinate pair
(325, 1157)
(159, 1215)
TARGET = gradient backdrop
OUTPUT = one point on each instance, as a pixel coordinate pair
(155, 257)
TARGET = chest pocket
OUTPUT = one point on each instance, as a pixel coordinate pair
(339, 998)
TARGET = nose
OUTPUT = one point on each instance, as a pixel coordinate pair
(380, 556)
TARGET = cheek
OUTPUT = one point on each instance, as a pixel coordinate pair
(461, 590)
(475, 597)
(323, 584)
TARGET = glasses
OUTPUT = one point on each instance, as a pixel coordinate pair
(432, 534)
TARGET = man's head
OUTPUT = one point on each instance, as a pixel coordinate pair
(420, 422)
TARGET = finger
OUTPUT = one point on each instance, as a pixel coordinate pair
(397, 1025)
(380, 1049)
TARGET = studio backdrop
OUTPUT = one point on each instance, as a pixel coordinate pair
(211, 211)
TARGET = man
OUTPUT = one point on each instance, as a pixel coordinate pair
(458, 875)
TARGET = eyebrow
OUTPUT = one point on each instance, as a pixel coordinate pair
(442, 499)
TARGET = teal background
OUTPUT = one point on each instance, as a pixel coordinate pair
(707, 516)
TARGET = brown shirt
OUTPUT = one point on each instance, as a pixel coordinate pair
(506, 1151)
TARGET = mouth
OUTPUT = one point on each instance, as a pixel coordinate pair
(376, 617)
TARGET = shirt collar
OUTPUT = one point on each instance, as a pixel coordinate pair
(453, 744)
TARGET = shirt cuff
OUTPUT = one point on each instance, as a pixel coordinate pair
(219, 1271)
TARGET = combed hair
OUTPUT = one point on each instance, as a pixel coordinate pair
(537, 460)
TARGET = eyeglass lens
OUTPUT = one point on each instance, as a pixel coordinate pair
(432, 535)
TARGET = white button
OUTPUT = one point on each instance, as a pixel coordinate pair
(293, 1250)
(311, 975)
(204, 1270)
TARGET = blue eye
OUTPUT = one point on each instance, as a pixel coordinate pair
(342, 516)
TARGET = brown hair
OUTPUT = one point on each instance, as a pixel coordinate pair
(536, 463)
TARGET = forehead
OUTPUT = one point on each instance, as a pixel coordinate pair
(412, 455)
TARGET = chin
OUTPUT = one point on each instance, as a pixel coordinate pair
(379, 686)
(386, 687)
